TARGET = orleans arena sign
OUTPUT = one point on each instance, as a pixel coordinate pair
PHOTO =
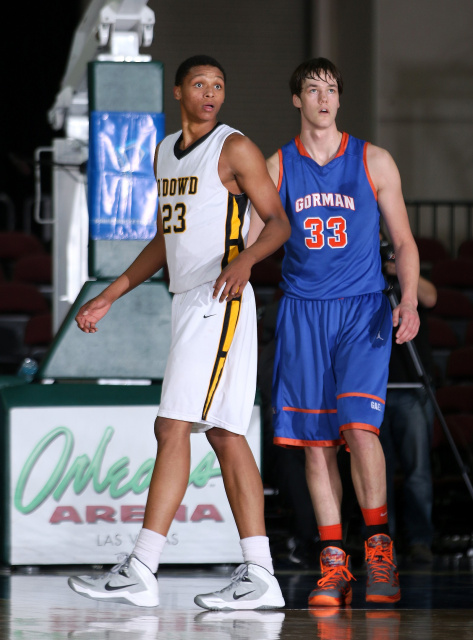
(78, 484)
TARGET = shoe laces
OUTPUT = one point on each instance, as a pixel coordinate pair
(123, 564)
(380, 560)
(332, 576)
(237, 576)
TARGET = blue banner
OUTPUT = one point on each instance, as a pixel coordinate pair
(122, 193)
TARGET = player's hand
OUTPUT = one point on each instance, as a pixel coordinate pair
(405, 317)
(91, 312)
(233, 279)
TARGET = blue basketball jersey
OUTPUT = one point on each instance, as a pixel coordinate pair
(333, 251)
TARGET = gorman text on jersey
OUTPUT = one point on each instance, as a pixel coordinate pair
(324, 200)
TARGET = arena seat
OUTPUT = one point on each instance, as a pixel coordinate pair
(455, 398)
(39, 330)
(21, 298)
(469, 333)
(441, 333)
(460, 364)
(38, 335)
(452, 303)
(465, 250)
(34, 269)
(15, 244)
(454, 272)
(431, 250)
(18, 303)
(461, 429)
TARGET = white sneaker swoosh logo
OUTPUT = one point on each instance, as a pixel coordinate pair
(109, 587)
(237, 597)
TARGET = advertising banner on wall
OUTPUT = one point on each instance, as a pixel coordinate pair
(79, 479)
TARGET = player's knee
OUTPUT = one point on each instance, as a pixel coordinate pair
(320, 459)
(360, 439)
(220, 440)
(166, 429)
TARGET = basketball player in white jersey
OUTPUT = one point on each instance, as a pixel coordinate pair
(206, 174)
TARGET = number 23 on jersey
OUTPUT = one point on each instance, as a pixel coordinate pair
(180, 210)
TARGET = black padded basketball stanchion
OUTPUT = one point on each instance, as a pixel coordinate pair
(419, 367)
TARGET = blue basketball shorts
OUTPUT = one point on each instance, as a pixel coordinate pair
(331, 368)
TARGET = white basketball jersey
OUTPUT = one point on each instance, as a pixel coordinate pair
(205, 226)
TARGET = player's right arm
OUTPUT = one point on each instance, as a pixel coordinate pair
(149, 261)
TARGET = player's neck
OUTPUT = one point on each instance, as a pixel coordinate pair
(193, 131)
(321, 144)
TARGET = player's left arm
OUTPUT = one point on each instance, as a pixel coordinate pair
(387, 181)
(242, 163)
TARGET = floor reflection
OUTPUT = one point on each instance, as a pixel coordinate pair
(436, 605)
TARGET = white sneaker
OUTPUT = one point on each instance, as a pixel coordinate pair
(130, 582)
(251, 587)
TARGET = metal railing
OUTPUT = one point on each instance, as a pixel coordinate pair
(450, 221)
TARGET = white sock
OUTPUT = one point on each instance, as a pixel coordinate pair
(256, 549)
(148, 548)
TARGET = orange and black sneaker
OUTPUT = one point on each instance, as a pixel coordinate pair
(333, 589)
(382, 583)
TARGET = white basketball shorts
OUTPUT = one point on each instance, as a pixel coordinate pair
(210, 376)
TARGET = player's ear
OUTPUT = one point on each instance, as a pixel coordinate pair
(296, 101)
(177, 93)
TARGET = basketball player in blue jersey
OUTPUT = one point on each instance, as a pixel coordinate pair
(333, 335)
(206, 174)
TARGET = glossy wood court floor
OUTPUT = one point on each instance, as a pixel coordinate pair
(436, 604)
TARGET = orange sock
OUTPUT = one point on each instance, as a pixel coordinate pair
(330, 536)
(376, 520)
(375, 516)
(332, 532)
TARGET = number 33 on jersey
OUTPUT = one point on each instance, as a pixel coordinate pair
(333, 251)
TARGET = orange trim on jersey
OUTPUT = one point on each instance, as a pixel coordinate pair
(292, 443)
(309, 410)
(343, 145)
(303, 151)
(301, 148)
(281, 169)
(360, 395)
(359, 425)
(365, 162)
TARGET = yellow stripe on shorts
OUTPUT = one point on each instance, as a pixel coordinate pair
(230, 321)
(234, 245)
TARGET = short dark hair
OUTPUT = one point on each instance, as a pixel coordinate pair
(315, 67)
(196, 61)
